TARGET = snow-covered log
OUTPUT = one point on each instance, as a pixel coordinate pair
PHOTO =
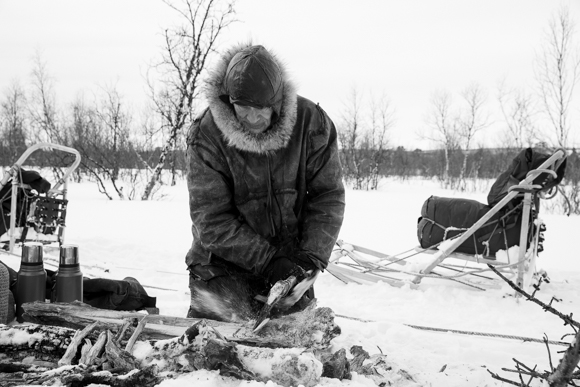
(46, 343)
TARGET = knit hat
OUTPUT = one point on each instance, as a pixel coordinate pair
(253, 78)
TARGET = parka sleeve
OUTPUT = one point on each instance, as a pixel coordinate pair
(216, 224)
(325, 197)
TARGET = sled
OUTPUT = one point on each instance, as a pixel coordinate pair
(34, 216)
(356, 264)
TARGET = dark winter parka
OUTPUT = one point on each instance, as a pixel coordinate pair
(250, 195)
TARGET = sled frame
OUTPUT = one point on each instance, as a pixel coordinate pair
(53, 202)
(365, 271)
(526, 187)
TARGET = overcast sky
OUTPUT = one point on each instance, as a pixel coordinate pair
(407, 49)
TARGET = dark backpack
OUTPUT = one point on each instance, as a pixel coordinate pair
(445, 218)
(524, 162)
(36, 182)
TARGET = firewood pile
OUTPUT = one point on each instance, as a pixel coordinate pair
(76, 345)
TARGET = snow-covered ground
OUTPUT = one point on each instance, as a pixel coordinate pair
(148, 241)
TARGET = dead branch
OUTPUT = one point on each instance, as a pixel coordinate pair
(565, 370)
(564, 373)
(567, 319)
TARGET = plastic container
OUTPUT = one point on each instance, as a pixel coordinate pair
(31, 285)
(69, 278)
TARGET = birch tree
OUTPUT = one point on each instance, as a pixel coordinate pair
(187, 49)
(472, 119)
(43, 110)
(13, 122)
(557, 74)
(444, 128)
(352, 139)
(519, 111)
(382, 119)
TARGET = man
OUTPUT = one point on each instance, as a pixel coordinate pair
(265, 187)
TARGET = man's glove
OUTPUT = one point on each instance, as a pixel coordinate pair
(127, 294)
(306, 262)
(281, 268)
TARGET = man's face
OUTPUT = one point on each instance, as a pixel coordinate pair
(253, 119)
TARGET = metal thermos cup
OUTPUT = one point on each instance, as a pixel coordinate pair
(31, 285)
(69, 278)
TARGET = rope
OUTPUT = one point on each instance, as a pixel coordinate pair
(470, 333)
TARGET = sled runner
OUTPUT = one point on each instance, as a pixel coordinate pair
(457, 236)
(31, 209)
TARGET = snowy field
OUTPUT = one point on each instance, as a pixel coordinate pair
(148, 241)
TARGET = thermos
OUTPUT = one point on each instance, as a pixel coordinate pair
(31, 285)
(69, 279)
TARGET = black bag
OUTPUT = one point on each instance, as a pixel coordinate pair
(36, 182)
(444, 218)
(524, 162)
(127, 294)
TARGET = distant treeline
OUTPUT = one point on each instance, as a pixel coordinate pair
(484, 163)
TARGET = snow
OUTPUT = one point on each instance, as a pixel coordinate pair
(149, 240)
(18, 338)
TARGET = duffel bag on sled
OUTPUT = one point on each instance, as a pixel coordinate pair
(445, 218)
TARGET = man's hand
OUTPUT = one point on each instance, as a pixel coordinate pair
(298, 290)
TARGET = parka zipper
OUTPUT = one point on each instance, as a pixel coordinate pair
(269, 204)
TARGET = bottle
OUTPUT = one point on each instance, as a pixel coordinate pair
(69, 278)
(31, 285)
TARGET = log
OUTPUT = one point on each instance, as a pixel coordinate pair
(46, 343)
(311, 328)
(118, 359)
(95, 351)
(76, 341)
(290, 350)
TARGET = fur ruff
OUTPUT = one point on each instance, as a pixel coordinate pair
(277, 137)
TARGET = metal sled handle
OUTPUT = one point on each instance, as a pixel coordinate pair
(13, 172)
(43, 145)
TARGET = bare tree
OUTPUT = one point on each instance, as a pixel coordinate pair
(518, 110)
(557, 74)
(43, 110)
(12, 120)
(444, 127)
(46, 124)
(115, 121)
(352, 139)
(382, 118)
(472, 119)
(101, 133)
(186, 52)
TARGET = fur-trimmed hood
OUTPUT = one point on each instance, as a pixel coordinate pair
(277, 136)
